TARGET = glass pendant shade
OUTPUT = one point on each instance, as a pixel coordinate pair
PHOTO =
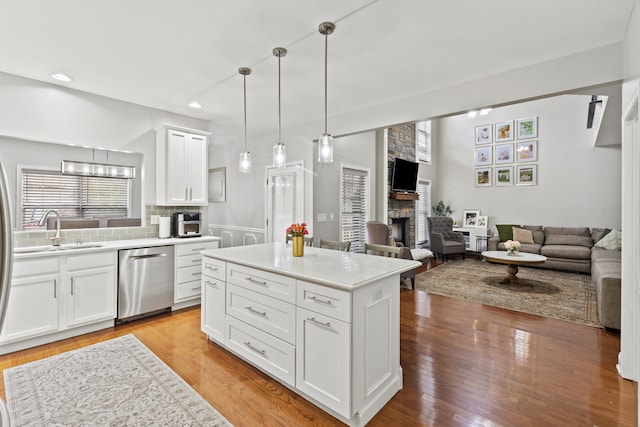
(279, 155)
(244, 164)
(325, 148)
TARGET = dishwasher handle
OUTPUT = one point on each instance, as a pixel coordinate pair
(137, 257)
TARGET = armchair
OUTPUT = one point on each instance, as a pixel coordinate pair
(444, 240)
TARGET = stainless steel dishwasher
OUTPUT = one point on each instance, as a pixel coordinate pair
(145, 282)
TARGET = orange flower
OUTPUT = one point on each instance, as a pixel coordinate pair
(298, 229)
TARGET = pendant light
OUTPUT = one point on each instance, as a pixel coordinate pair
(245, 156)
(325, 142)
(279, 150)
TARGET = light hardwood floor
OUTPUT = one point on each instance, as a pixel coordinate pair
(464, 364)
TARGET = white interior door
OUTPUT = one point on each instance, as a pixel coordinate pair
(285, 200)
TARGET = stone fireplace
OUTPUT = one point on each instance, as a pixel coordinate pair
(401, 143)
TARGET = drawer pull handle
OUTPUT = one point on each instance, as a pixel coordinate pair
(72, 285)
(198, 249)
(196, 274)
(196, 289)
(214, 284)
(251, 279)
(55, 285)
(210, 267)
(248, 344)
(317, 322)
(199, 261)
(321, 301)
(253, 310)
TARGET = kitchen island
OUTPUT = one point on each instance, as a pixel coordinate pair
(326, 325)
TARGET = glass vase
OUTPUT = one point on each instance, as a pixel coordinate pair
(298, 245)
(512, 252)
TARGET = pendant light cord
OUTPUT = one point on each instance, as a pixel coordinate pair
(279, 106)
(326, 48)
(245, 112)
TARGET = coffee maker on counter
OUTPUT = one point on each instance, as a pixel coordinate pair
(186, 224)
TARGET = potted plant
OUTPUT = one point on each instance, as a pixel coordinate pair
(441, 209)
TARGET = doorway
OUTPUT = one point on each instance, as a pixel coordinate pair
(285, 200)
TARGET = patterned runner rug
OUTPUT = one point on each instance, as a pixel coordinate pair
(548, 293)
(119, 382)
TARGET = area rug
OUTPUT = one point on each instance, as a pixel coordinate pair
(119, 382)
(548, 293)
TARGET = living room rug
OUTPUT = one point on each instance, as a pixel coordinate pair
(548, 293)
(119, 382)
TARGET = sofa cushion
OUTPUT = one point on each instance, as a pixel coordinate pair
(577, 231)
(522, 235)
(505, 231)
(566, 251)
(538, 233)
(600, 254)
(567, 239)
(612, 241)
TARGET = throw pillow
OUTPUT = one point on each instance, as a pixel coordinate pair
(523, 236)
(604, 233)
(612, 241)
(505, 231)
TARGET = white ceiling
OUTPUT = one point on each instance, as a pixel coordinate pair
(164, 54)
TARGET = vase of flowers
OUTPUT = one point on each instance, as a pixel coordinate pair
(297, 233)
(512, 246)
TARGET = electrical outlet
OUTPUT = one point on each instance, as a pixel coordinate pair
(155, 219)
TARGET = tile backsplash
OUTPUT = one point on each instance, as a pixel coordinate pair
(41, 237)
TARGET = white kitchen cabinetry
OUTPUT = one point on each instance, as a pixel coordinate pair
(56, 297)
(188, 271)
(92, 288)
(33, 300)
(181, 168)
(326, 325)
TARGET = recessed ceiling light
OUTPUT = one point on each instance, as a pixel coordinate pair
(195, 104)
(61, 77)
(472, 113)
(485, 111)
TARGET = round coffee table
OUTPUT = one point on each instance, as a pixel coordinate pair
(513, 261)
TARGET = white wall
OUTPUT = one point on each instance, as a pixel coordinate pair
(578, 184)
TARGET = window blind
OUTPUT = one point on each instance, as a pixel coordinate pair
(424, 210)
(355, 188)
(423, 141)
(72, 196)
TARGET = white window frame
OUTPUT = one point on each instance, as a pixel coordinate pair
(420, 201)
(367, 203)
(428, 143)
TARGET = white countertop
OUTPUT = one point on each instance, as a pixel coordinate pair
(111, 245)
(337, 269)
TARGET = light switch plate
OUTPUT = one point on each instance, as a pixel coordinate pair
(322, 217)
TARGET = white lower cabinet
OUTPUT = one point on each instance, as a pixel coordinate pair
(56, 297)
(188, 271)
(213, 299)
(323, 360)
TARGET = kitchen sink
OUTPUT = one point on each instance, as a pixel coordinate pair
(71, 246)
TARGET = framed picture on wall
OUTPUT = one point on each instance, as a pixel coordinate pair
(470, 217)
(504, 131)
(483, 156)
(528, 128)
(504, 153)
(483, 177)
(217, 185)
(504, 176)
(527, 151)
(484, 134)
(527, 175)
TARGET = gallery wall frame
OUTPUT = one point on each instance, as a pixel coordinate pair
(527, 151)
(217, 185)
(483, 156)
(484, 134)
(527, 174)
(504, 176)
(504, 153)
(504, 131)
(483, 177)
(528, 128)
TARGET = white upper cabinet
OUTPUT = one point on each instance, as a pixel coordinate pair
(181, 168)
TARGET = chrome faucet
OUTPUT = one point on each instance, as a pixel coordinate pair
(55, 240)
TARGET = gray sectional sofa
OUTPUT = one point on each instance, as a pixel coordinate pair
(572, 249)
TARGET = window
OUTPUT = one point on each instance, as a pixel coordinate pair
(423, 211)
(354, 190)
(72, 196)
(423, 141)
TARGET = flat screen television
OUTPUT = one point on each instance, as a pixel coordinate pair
(404, 177)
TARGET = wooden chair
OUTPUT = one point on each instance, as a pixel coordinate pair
(338, 246)
(392, 252)
(308, 240)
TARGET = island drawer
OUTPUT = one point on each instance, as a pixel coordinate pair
(188, 274)
(214, 268)
(328, 301)
(273, 285)
(265, 313)
(274, 356)
(188, 290)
